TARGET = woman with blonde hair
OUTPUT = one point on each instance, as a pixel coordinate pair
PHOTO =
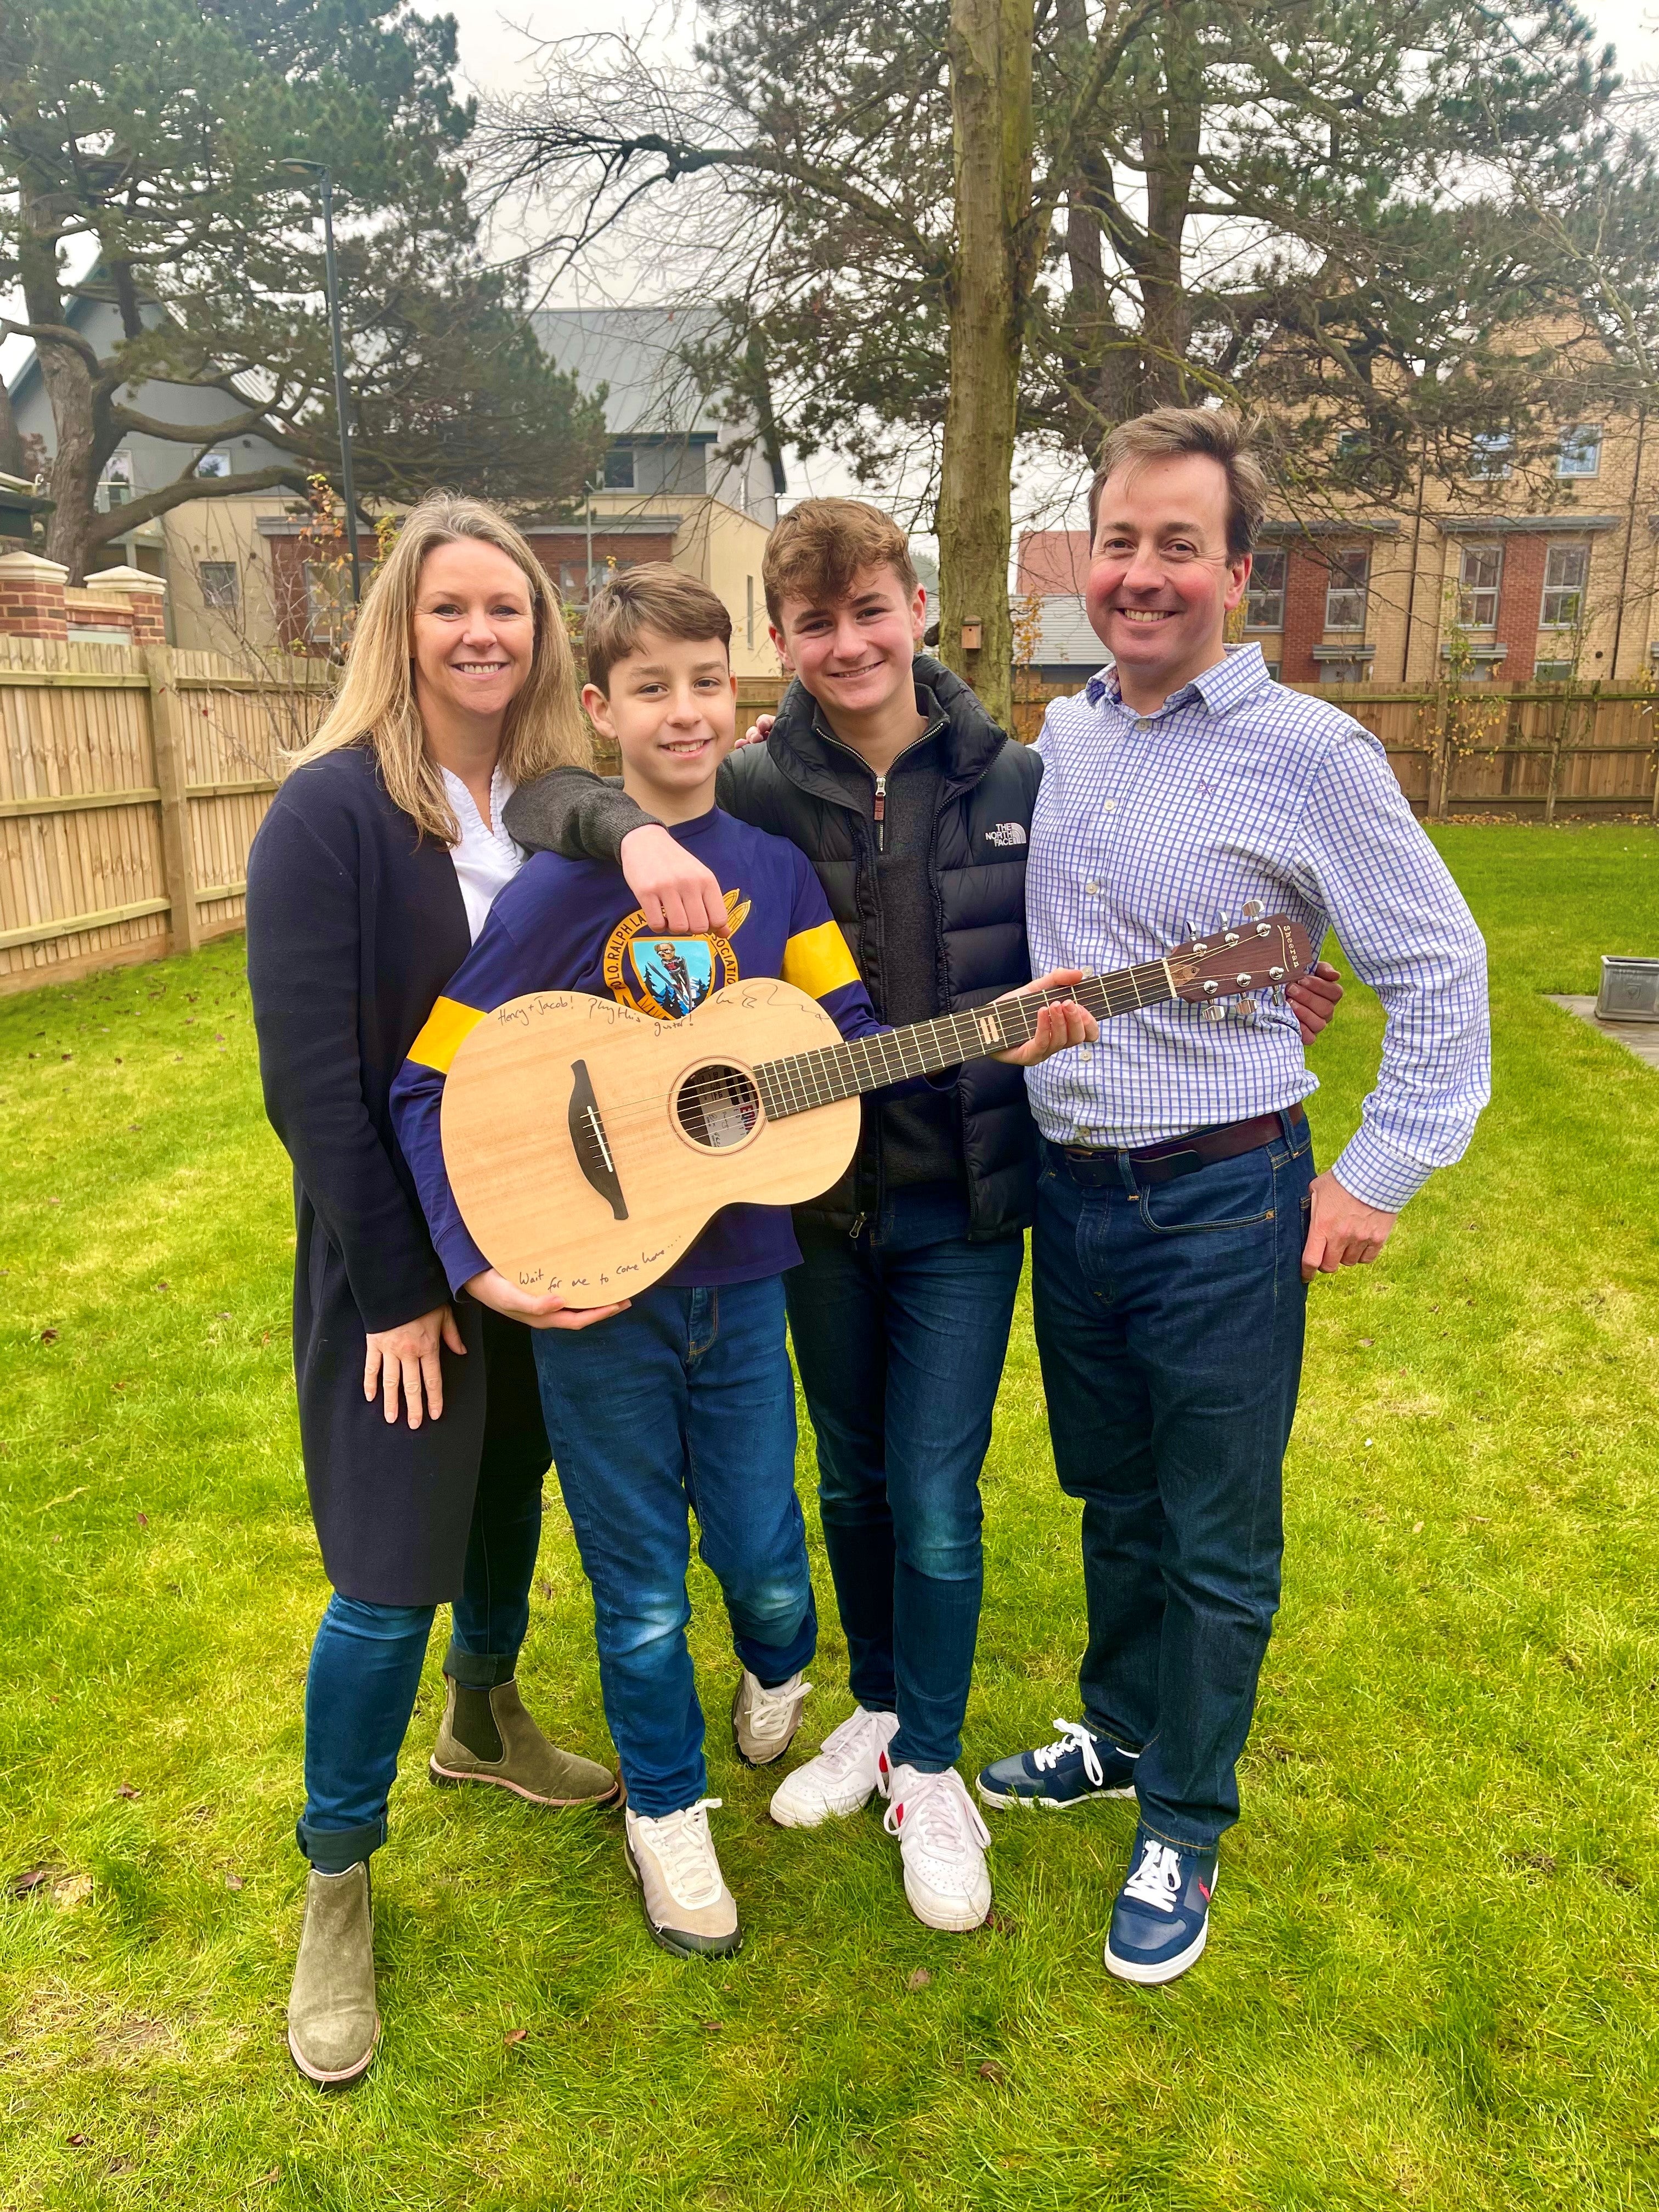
(419, 1420)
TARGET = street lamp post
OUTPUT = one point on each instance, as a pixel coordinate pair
(316, 173)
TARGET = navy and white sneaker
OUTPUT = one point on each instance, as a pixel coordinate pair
(1077, 1769)
(1162, 1915)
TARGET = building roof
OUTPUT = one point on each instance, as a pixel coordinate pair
(1064, 637)
(638, 355)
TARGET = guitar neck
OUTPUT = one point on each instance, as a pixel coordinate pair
(807, 1079)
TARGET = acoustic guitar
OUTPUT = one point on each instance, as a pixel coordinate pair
(588, 1145)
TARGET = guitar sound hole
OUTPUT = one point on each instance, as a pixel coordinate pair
(718, 1107)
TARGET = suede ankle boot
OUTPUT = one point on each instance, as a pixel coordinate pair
(486, 1735)
(332, 2024)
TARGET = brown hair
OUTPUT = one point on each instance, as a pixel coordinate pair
(375, 707)
(654, 596)
(820, 546)
(1167, 433)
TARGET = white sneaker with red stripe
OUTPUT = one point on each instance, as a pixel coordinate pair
(841, 1779)
(942, 1842)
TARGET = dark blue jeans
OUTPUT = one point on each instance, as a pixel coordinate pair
(366, 1662)
(684, 1404)
(1170, 1324)
(899, 1336)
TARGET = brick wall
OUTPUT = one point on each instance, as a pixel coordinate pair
(1520, 597)
(31, 597)
(1305, 579)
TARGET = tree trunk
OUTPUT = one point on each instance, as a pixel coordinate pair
(990, 55)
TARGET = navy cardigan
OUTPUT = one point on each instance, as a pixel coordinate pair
(354, 924)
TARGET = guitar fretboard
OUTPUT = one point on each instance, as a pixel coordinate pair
(807, 1080)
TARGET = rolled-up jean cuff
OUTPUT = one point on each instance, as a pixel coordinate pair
(476, 1670)
(331, 1850)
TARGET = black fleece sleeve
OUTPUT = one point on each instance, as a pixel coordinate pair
(575, 813)
(303, 947)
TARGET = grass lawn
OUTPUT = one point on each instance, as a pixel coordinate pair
(1431, 1975)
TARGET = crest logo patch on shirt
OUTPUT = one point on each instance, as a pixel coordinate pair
(666, 976)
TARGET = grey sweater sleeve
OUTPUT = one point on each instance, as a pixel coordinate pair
(575, 813)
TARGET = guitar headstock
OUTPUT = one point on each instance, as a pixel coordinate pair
(1251, 956)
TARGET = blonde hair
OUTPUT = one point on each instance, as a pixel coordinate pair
(820, 546)
(375, 705)
(654, 596)
(1219, 434)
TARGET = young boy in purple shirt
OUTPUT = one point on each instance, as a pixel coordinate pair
(684, 1398)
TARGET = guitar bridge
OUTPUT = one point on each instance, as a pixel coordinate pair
(592, 1145)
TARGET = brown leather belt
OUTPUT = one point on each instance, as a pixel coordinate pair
(1094, 1168)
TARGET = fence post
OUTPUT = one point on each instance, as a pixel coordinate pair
(178, 854)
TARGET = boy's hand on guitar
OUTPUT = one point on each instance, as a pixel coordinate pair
(1058, 1027)
(549, 1311)
(1314, 999)
(677, 893)
(757, 732)
(405, 1361)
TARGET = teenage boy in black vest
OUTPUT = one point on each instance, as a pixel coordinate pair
(914, 809)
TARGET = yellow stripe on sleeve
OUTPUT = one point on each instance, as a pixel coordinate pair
(447, 1028)
(819, 961)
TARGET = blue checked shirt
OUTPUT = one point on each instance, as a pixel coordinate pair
(1149, 829)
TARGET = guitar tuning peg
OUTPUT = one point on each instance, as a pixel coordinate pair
(1253, 909)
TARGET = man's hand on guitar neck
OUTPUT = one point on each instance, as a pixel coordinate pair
(494, 1290)
(1057, 1026)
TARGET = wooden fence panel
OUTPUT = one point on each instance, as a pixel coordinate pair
(132, 783)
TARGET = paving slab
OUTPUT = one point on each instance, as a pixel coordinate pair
(1640, 1037)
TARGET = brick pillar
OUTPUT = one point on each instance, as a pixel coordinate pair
(31, 597)
(1305, 579)
(146, 595)
(1520, 601)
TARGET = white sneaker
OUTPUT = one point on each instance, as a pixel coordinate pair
(688, 1906)
(942, 1842)
(763, 1722)
(842, 1777)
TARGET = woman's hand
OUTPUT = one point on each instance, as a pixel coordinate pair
(1057, 1026)
(546, 1312)
(407, 1360)
(1314, 999)
(758, 732)
(675, 890)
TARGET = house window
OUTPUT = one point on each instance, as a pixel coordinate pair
(1343, 671)
(1264, 609)
(1272, 668)
(1580, 451)
(1553, 671)
(221, 585)
(619, 468)
(213, 464)
(1566, 570)
(1491, 452)
(116, 482)
(1478, 573)
(1344, 591)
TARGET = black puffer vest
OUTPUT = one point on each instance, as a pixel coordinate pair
(820, 796)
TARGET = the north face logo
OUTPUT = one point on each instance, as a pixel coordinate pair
(1006, 833)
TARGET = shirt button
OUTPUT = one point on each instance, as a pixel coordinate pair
(1143, 727)
(1092, 888)
(1107, 806)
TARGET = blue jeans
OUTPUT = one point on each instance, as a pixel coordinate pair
(899, 1336)
(1170, 1325)
(366, 1662)
(684, 1404)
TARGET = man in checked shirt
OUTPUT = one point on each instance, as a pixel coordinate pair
(1179, 1217)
